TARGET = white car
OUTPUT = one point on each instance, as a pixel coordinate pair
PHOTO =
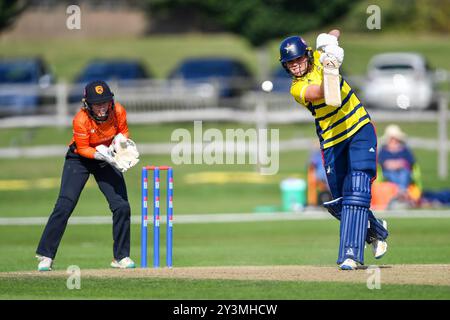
(399, 80)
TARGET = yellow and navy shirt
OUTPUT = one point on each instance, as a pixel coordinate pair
(333, 124)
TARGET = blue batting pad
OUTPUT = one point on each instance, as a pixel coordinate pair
(357, 187)
(376, 229)
(354, 216)
(334, 207)
(353, 232)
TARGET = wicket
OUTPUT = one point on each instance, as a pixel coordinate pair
(156, 196)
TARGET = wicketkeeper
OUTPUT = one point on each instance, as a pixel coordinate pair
(348, 142)
(100, 146)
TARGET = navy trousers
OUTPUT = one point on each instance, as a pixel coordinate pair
(346, 161)
(74, 177)
(358, 153)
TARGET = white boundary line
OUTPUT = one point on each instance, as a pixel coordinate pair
(226, 217)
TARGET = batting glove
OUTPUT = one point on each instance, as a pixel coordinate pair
(325, 39)
(328, 60)
(336, 51)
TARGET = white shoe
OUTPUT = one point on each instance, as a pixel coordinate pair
(125, 263)
(348, 264)
(379, 247)
(45, 263)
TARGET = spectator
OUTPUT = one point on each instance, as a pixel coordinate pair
(318, 191)
(396, 159)
(316, 161)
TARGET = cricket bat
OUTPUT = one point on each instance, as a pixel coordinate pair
(331, 83)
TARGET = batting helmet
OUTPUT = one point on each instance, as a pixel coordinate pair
(292, 48)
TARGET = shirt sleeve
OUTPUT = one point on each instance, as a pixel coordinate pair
(298, 90)
(81, 137)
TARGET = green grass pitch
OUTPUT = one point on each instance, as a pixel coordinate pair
(305, 242)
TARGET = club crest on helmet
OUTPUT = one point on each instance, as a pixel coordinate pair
(99, 89)
(290, 47)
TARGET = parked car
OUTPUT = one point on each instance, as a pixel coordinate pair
(22, 85)
(228, 76)
(281, 80)
(399, 80)
(122, 71)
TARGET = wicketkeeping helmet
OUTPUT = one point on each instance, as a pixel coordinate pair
(97, 92)
(292, 48)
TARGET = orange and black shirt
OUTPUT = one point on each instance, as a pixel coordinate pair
(87, 133)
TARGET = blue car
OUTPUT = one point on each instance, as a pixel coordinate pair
(22, 81)
(229, 74)
(281, 80)
(121, 71)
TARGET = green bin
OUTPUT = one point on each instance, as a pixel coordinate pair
(293, 194)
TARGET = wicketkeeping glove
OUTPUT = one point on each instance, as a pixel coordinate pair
(118, 142)
(125, 151)
(104, 153)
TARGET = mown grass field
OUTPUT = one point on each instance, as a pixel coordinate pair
(161, 133)
(413, 241)
(29, 187)
(165, 289)
(306, 242)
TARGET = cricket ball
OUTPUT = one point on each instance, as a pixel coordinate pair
(267, 86)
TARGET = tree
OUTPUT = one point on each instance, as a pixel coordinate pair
(9, 11)
(417, 16)
(257, 20)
